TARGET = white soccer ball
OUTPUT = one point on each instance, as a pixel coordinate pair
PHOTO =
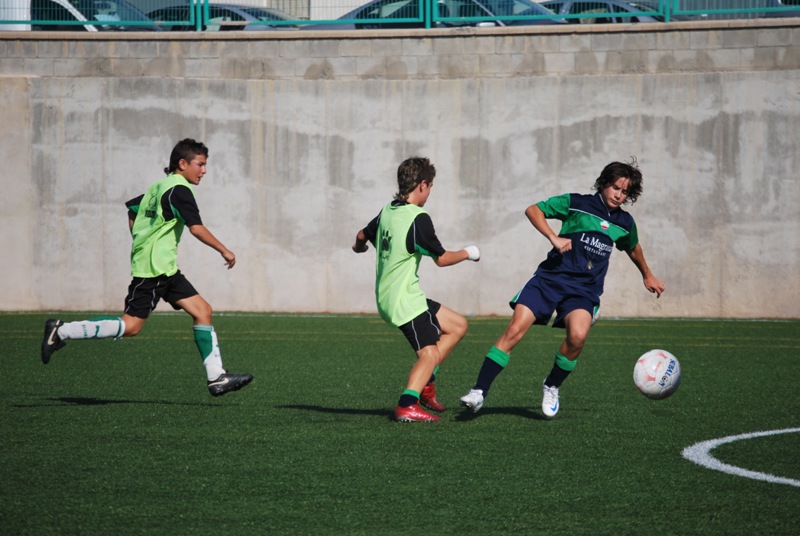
(657, 374)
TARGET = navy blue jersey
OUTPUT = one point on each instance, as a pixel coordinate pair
(594, 230)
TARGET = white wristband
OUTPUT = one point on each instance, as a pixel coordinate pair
(473, 252)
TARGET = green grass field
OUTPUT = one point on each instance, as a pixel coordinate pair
(122, 437)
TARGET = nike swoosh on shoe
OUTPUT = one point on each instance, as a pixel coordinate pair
(220, 382)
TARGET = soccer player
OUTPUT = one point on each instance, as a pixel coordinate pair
(156, 220)
(402, 233)
(570, 280)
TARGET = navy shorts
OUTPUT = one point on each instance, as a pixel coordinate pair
(424, 329)
(543, 296)
(144, 293)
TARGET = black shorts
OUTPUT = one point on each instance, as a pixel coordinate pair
(144, 293)
(423, 330)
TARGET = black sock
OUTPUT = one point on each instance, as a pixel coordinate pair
(556, 377)
(407, 400)
(489, 371)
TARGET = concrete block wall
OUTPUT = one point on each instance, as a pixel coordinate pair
(306, 130)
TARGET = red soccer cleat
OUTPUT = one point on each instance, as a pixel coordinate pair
(428, 398)
(413, 413)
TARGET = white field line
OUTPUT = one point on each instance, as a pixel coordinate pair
(699, 453)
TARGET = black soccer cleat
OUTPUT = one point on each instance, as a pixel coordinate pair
(228, 382)
(51, 342)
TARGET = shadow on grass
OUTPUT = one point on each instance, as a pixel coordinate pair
(339, 411)
(526, 413)
(464, 415)
(86, 401)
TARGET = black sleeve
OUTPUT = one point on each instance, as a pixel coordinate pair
(422, 237)
(179, 202)
(371, 230)
(133, 206)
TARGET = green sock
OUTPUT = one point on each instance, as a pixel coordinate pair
(206, 340)
(499, 356)
(433, 376)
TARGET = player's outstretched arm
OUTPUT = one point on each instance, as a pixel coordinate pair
(651, 282)
(469, 253)
(361, 244)
(539, 222)
(205, 236)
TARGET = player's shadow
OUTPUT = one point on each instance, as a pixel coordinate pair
(338, 411)
(463, 416)
(88, 401)
(467, 415)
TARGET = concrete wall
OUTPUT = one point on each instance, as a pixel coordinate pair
(306, 131)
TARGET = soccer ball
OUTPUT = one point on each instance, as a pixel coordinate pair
(657, 374)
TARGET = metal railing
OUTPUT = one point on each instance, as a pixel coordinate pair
(224, 15)
(733, 9)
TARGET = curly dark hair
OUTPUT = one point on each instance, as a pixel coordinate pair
(622, 170)
(410, 173)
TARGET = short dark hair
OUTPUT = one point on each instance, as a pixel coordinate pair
(186, 149)
(410, 173)
(622, 170)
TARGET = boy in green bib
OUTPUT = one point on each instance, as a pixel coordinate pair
(156, 220)
(402, 234)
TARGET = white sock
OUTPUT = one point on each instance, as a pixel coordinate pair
(97, 328)
(206, 339)
(213, 364)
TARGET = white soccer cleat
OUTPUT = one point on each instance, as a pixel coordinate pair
(549, 401)
(473, 400)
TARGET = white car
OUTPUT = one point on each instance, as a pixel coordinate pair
(221, 17)
(79, 15)
(380, 14)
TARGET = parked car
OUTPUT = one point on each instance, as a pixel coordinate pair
(451, 13)
(607, 11)
(617, 11)
(251, 17)
(732, 9)
(68, 16)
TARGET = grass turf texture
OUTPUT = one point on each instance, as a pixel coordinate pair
(123, 437)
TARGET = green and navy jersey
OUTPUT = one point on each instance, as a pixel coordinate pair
(402, 234)
(160, 215)
(594, 230)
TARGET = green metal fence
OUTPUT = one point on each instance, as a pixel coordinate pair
(264, 15)
(733, 9)
(78, 15)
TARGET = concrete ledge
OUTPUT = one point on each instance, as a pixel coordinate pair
(395, 33)
(447, 54)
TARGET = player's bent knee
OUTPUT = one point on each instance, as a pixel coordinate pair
(513, 334)
(203, 314)
(132, 330)
(576, 342)
(460, 327)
